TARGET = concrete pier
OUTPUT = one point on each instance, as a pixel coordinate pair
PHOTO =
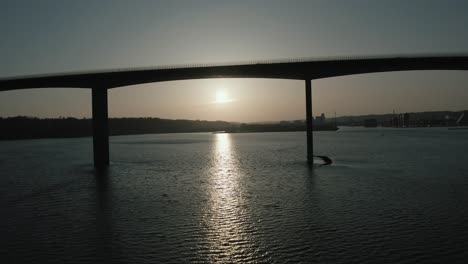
(100, 127)
(309, 119)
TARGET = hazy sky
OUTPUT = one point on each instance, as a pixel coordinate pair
(61, 36)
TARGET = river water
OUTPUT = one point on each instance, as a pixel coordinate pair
(392, 195)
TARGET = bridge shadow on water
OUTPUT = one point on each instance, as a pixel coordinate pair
(106, 240)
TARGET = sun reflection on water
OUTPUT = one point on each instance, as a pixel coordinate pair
(229, 229)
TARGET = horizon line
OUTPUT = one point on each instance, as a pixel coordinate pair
(205, 120)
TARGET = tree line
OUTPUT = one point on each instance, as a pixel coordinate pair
(24, 127)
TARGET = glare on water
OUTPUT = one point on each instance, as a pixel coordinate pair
(227, 216)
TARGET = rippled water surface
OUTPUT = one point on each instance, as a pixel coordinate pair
(392, 195)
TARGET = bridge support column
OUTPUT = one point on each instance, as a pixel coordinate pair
(309, 119)
(100, 127)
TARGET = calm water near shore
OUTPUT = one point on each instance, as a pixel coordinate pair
(392, 195)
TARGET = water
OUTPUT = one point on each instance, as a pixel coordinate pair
(392, 195)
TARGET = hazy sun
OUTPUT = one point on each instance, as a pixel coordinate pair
(222, 97)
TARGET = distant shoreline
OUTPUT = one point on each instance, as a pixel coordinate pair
(17, 128)
(167, 133)
(238, 132)
(23, 127)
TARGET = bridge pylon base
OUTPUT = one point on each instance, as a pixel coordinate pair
(100, 128)
(309, 121)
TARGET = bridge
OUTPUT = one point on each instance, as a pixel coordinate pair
(307, 70)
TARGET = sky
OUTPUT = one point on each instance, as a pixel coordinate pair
(40, 37)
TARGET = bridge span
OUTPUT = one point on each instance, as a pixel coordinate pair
(306, 70)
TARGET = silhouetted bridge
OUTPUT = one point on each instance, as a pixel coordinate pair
(306, 70)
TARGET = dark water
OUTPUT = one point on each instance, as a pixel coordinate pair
(394, 196)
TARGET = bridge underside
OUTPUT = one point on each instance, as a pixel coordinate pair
(99, 82)
(301, 70)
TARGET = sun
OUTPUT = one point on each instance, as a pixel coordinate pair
(222, 97)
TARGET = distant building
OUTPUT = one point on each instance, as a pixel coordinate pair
(298, 122)
(320, 120)
(370, 122)
(406, 120)
(394, 122)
